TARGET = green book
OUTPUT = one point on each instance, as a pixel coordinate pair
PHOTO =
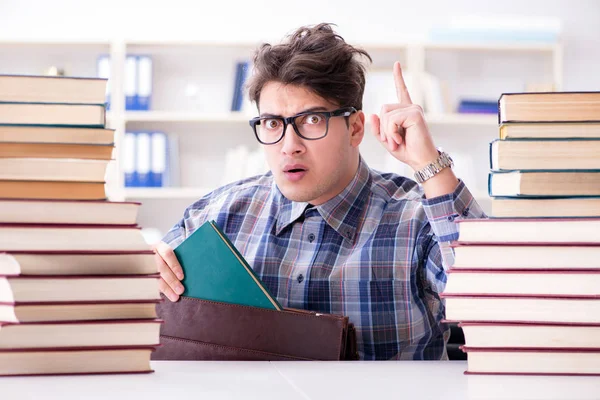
(215, 270)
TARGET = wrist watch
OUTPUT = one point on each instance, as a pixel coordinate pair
(432, 169)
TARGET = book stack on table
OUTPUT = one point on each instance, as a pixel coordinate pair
(525, 286)
(78, 283)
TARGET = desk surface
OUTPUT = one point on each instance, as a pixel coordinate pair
(302, 381)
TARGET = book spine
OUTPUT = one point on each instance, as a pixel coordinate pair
(130, 83)
(144, 82)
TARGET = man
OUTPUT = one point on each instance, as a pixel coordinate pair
(322, 230)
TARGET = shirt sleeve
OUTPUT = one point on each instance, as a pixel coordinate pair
(442, 213)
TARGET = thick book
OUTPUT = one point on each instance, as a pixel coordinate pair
(549, 107)
(14, 263)
(507, 207)
(526, 256)
(52, 190)
(75, 361)
(462, 307)
(545, 155)
(31, 211)
(530, 334)
(53, 169)
(77, 311)
(53, 114)
(56, 150)
(544, 183)
(574, 231)
(550, 130)
(50, 237)
(474, 282)
(52, 89)
(52, 134)
(74, 288)
(57, 334)
(514, 361)
(215, 270)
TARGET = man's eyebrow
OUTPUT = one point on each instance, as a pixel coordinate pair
(317, 108)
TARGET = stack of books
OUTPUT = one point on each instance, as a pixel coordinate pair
(78, 283)
(525, 286)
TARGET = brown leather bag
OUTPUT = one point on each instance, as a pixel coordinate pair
(197, 329)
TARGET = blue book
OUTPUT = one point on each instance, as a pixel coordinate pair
(159, 160)
(237, 87)
(244, 76)
(129, 161)
(143, 159)
(478, 106)
(144, 83)
(131, 83)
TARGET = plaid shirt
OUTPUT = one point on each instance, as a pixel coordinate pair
(377, 253)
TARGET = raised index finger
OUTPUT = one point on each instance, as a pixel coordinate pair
(401, 90)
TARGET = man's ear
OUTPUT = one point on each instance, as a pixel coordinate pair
(357, 128)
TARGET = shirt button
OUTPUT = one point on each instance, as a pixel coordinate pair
(300, 278)
(466, 212)
(311, 237)
(451, 218)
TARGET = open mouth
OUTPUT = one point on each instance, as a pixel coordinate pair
(294, 172)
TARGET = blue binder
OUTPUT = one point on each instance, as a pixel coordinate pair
(159, 161)
(129, 161)
(144, 83)
(143, 159)
(131, 83)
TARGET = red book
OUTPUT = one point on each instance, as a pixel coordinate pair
(54, 237)
(483, 282)
(511, 361)
(75, 361)
(525, 308)
(573, 231)
(521, 256)
(19, 312)
(74, 288)
(32, 211)
(510, 334)
(63, 334)
(77, 262)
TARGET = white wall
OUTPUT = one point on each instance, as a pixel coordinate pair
(375, 20)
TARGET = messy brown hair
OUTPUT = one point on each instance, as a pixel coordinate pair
(316, 58)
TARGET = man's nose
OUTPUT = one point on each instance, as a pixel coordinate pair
(292, 143)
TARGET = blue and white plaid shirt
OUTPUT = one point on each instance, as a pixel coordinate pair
(377, 253)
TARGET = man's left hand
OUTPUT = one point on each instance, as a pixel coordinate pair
(402, 129)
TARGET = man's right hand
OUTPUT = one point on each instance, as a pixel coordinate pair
(170, 270)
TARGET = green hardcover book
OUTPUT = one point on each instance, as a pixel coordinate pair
(215, 270)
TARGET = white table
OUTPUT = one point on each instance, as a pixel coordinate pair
(301, 380)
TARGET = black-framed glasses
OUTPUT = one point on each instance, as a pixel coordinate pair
(310, 125)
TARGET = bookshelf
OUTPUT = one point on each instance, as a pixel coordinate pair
(193, 84)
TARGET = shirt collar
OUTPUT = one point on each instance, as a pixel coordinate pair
(342, 212)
